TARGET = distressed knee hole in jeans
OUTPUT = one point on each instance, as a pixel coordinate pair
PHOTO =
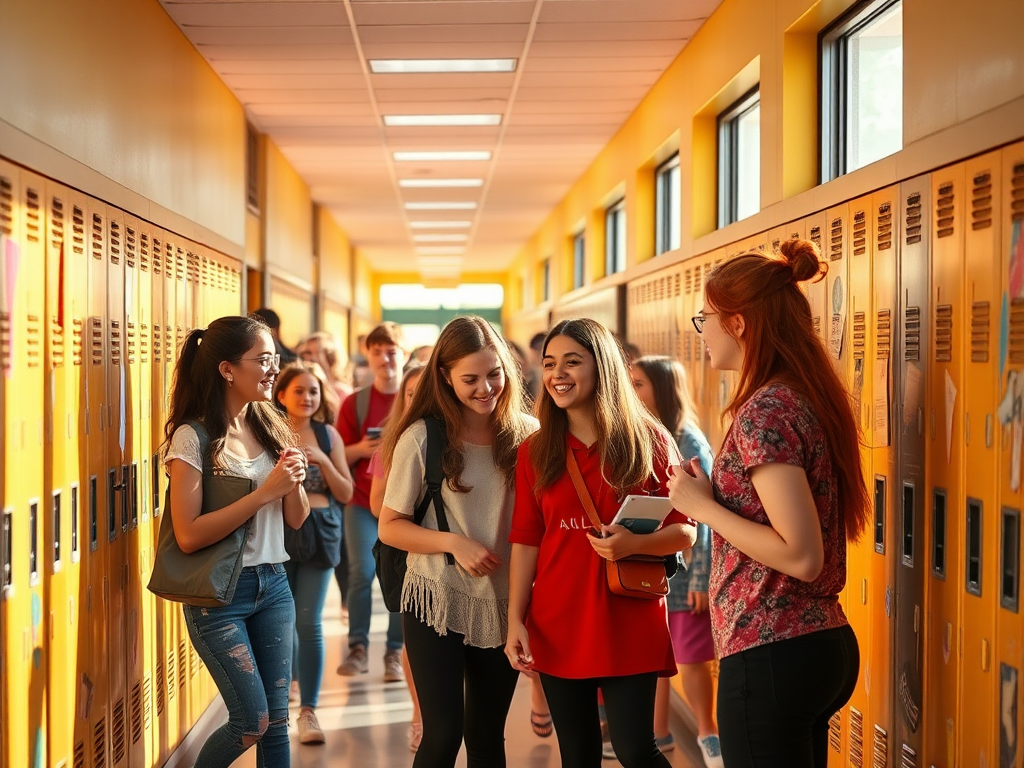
(242, 657)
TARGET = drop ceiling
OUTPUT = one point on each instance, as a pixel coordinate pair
(301, 69)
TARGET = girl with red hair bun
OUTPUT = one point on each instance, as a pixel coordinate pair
(785, 495)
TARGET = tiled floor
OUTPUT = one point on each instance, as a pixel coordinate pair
(367, 720)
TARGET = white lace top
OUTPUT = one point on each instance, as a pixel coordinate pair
(266, 537)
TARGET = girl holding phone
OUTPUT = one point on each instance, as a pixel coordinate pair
(564, 622)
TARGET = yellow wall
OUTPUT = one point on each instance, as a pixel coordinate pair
(116, 87)
(334, 253)
(963, 80)
(288, 213)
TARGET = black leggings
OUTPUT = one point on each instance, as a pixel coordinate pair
(629, 706)
(463, 691)
(775, 700)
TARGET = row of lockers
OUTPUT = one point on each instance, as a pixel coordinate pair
(922, 312)
(94, 303)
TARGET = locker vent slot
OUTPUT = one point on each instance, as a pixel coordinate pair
(96, 340)
(97, 237)
(1017, 193)
(144, 338)
(79, 757)
(908, 757)
(56, 223)
(835, 240)
(913, 222)
(158, 335)
(880, 514)
(6, 207)
(115, 342)
(144, 251)
(816, 236)
(7, 549)
(981, 201)
(206, 271)
(161, 689)
(56, 342)
(115, 242)
(817, 325)
(182, 664)
(99, 743)
(147, 703)
(835, 733)
(136, 713)
(1017, 330)
(945, 205)
(158, 256)
(880, 757)
(33, 216)
(131, 247)
(860, 233)
(193, 662)
(944, 333)
(883, 340)
(193, 267)
(776, 243)
(939, 534)
(688, 281)
(980, 316)
(5, 340)
(34, 341)
(688, 346)
(860, 333)
(697, 285)
(77, 231)
(132, 342)
(884, 231)
(856, 738)
(169, 343)
(973, 548)
(1009, 567)
(172, 676)
(912, 334)
(180, 263)
(77, 331)
(117, 737)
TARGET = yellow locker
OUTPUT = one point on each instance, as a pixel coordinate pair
(692, 348)
(790, 231)
(1001, 199)
(817, 293)
(951, 199)
(19, 675)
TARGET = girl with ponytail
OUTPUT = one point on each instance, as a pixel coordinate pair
(223, 384)
(785, 495)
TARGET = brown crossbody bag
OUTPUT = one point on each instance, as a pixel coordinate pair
(634, 576)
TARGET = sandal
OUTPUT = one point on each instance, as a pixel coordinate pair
(541, 724)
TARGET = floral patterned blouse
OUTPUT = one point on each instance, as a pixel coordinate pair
(752, 604)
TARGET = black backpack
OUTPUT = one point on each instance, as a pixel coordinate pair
(390, 563)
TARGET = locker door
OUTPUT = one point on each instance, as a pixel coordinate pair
(790, 231)
(817, 293)
(1007, 212)
(981, 461)
(701, 365)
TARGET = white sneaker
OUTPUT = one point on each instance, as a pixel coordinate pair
(712, 751)
(309, 728)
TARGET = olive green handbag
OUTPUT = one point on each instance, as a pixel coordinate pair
(206, 578)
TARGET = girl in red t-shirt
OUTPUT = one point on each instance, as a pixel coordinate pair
(785, 495)
(563, 621)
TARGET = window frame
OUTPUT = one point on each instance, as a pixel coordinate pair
(665, 207)
(833, 104)
(728, 155)
(579, 259)
(614, 225)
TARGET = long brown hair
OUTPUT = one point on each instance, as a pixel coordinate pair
(671, 393)
(434, 396)
(780, 346)
(198, 391)
(328, 410)
(629, 438)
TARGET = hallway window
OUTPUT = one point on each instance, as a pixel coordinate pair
(666, 179)
(739, 159)
(579, 259)
(615, 238)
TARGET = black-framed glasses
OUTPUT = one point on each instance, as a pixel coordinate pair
(266, 361)
(698, 321)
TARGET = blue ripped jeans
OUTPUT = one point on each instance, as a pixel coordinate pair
(247, 646)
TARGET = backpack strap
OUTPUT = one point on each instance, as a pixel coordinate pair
(363, 405)
(204, 444)
(323, 437)
(434, 478)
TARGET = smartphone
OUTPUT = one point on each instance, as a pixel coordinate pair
(373, 432)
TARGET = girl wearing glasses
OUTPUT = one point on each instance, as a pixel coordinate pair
(224, 379)
(784, 497)
(563, 621)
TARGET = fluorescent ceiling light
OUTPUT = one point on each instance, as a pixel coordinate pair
(439, 250)
(439, 224)
(440, 238)
(466, 206)
(420, 120)
(406, 157)
(405, 66)
(421, 183)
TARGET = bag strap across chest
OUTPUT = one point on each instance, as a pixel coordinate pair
(434, 479)
(581, 488)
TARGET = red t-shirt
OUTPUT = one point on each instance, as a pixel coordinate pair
(752, 604)
(578, 628)
(350, 431)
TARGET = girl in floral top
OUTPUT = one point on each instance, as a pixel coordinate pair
(785, 496)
